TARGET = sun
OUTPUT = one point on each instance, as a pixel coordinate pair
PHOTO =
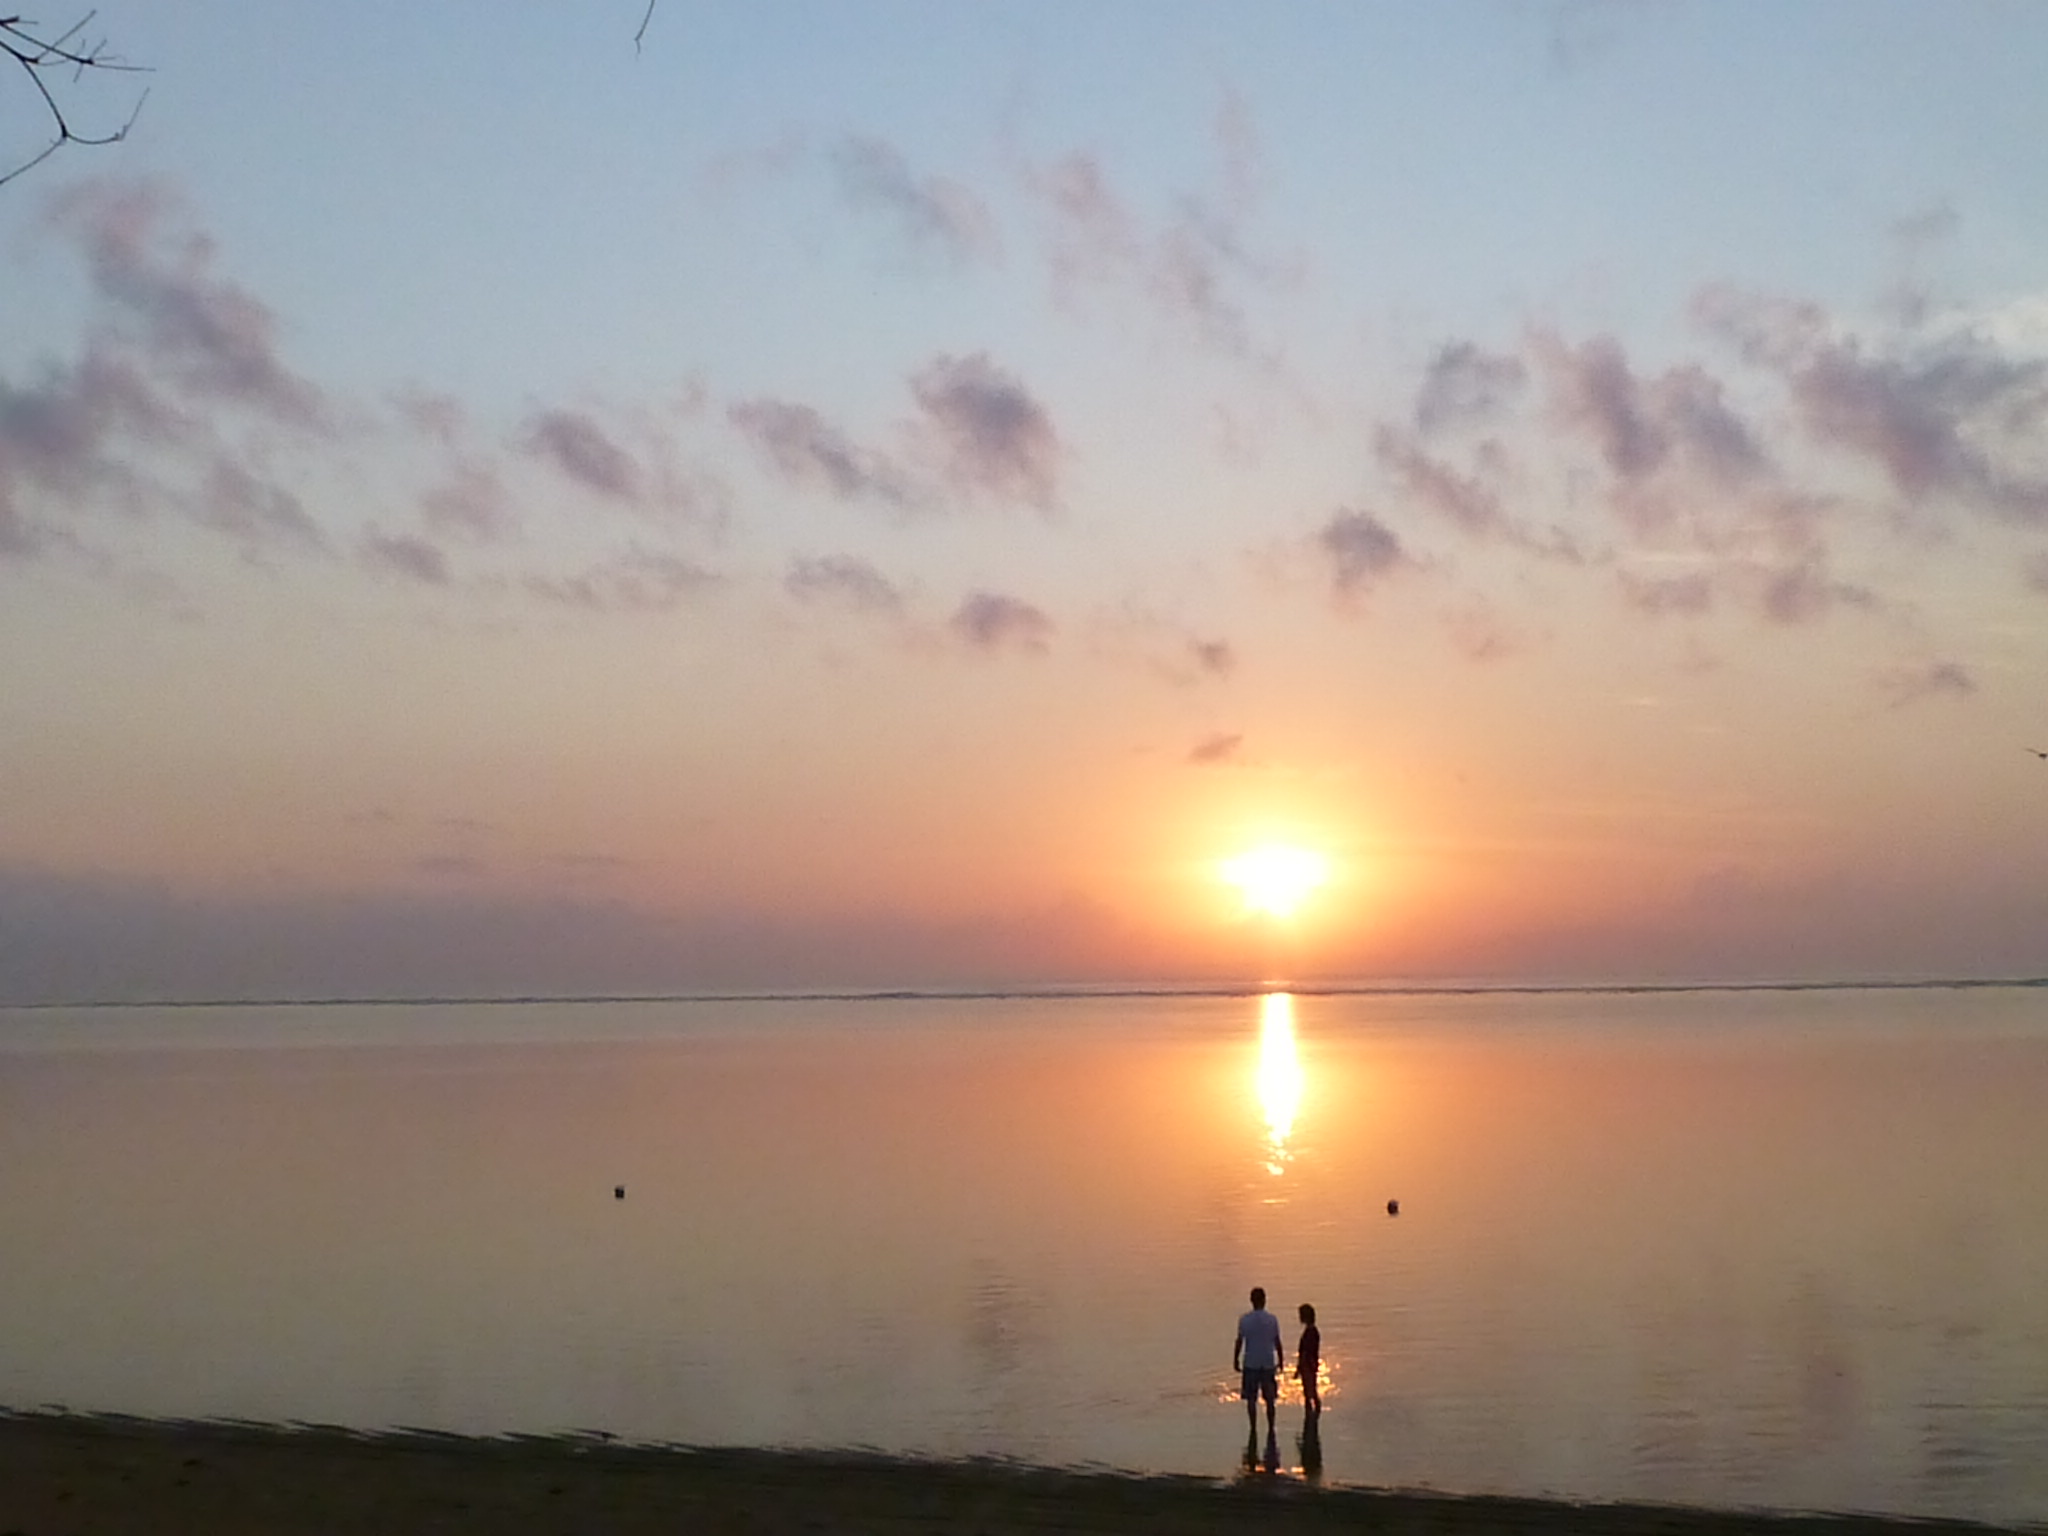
(1275, 878)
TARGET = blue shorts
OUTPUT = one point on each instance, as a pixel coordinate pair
(1262, 1383)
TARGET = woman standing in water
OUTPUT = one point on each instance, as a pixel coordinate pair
(1308, 1362)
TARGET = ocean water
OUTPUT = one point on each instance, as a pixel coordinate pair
(1762, 1248)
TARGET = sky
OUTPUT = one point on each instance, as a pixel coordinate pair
(899, 494)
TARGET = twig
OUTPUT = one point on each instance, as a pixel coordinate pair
(35, 55)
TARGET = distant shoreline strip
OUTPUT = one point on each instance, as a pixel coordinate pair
(1056, 993)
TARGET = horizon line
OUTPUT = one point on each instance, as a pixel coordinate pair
(1065, 992)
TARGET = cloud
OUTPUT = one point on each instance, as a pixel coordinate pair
(439, 417)
(256, 514)
(933, 210)
(994, 435)
(1195, 252)
(1464, 500)
(843, 579)
(1803, 590)
(1690, 594)
(180, 404)
(1954, 415)
(1187, 264)
(639, 581)
(179, 401)
(403, 555)
(472, 503)
(1640, 425)
(209, 334)
(990, 621)
(1934, 679)
(1361, 551)
(574, 443)
(1218, 658)
(1480, 634)
(62, 442)
(1095, 236)
(808, 450)
(1464, 384)
(1218, 747)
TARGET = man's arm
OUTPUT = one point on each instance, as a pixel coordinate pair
(1237, 1349)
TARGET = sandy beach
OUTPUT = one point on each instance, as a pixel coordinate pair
(66, 1475)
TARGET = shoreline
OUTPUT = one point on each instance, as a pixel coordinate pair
(113, 1475)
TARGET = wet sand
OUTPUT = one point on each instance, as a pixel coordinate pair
(101, 1476)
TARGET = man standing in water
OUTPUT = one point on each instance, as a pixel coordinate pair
(1257, 1354)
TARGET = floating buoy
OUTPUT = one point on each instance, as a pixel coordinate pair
(618, 1191)
(1393, 1206)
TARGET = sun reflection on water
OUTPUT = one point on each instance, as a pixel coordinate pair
(1279, 1078)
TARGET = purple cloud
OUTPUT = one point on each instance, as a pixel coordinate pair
(1218, 747)
(1218, 658)
(1188, 277)
(472, 504)
(1934, 679)
(991, 621)
(932, 210)
(1639, 425)
(211, 335)
(1955, 416)
(1096, 236)
(1659, 596)
(1464, 384)
(1802, 590)
(258, 515)
(403, 555)
(1361, 550)
(640, 581)
(842, 578)
(808, 450)
(1465, 501)
(1186, 267)
(62, 439)
(579, 448)
(1594, 391)
(995, 436)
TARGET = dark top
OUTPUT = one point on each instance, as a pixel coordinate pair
(1309, 1354)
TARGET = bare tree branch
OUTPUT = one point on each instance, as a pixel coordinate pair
(41, 57)
(640, 36)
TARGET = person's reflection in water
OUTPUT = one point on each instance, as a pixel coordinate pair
(1312, 1448)
(1259, 1463)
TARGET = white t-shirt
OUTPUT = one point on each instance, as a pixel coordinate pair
(1260, 1331)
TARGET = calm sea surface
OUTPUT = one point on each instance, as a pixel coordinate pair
(1760, 1248)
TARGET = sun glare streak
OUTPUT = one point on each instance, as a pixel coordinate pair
(1275, 879)
(1279, 1079)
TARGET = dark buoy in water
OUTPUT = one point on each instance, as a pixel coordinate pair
(1393, 1206)
(618, 1191)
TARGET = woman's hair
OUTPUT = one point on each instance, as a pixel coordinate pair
(1308, 1313)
